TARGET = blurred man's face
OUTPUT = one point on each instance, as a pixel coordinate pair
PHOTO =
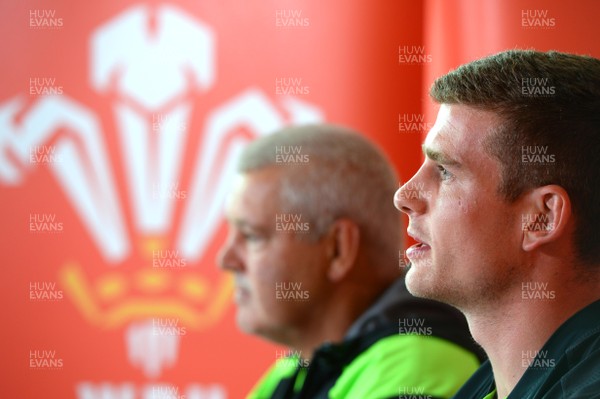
(279, 277)
(469, 237)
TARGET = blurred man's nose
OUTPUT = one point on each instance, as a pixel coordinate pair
(227, 257)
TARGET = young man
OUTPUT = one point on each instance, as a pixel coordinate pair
(313, 246)
(509, 233)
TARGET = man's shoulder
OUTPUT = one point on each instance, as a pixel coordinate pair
(406, 364)
(280, 370)
(582, 380)
(569, 364)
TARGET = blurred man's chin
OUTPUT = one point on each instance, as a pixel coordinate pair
(250, 325)
(245, 324)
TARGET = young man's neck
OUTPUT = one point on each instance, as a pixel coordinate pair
(514, 329)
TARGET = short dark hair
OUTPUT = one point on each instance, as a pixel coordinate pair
(549, 101)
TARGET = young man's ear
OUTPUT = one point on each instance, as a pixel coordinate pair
(344, 240)
(549, 212)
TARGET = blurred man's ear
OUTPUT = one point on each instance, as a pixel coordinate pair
(343, 242)
(548, 214)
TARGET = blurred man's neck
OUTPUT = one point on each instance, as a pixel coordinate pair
(332, 321)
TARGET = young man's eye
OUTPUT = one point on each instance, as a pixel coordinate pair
(444, 173)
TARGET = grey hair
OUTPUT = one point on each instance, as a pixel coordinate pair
(329, 172)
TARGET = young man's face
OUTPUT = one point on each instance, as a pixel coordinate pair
(279, 277)
(469, 236)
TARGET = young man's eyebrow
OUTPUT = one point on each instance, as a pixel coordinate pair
(438, 156)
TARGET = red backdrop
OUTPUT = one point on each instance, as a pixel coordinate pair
(119, 123)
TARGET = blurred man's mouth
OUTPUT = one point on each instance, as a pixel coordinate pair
(241, 296)
(241, 293)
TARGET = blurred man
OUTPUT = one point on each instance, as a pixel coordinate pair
(509, 232)
(313, 246)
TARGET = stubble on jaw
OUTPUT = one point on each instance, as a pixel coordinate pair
(468, 297)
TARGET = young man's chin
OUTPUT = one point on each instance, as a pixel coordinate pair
(418, 284)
